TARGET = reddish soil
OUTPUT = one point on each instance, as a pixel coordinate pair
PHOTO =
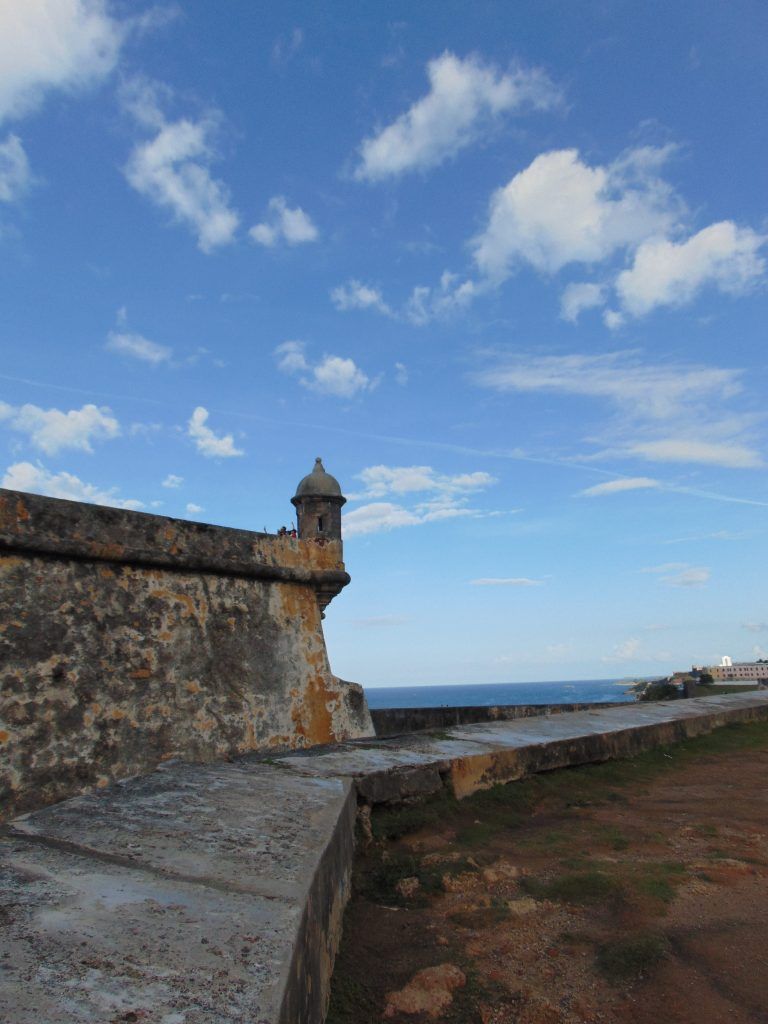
(634, 891)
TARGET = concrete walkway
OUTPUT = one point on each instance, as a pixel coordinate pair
(214, 894)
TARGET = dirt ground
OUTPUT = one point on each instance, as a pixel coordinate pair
(632, 891)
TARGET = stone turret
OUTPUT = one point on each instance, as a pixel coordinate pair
(318, 502)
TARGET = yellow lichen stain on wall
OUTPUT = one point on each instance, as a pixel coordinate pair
(192, 686)
(191, 608)
(203, 724)
(4, 736)
(9, 563)
(312, 718)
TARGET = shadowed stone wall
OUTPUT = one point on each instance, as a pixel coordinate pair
(127, 639)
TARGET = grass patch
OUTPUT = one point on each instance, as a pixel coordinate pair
(580, 887)
(658, 880)
(377, 882)
(615, 838)
(632, 957)
(390, 823)
(510, 805)
(707, 830)
(478, 833)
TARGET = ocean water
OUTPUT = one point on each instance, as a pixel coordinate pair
(488, 694)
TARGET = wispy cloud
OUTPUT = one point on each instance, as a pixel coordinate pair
(36, 479)
(466, 98)
(735, 456)
(662, 412)
(679, 574)
(209, 444)
(442, 497)
(15, 175)
(654, 390)
(634, 483)
(136, 346)
(356, 295)
(173, 481)
(53, 44)
(173, 168)
(52, 430)
(284, 224)
(332, 375)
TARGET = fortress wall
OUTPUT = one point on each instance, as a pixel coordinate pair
(396, 721)
(127, 639)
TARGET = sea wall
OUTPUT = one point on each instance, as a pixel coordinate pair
(128, 639)
(396, 721)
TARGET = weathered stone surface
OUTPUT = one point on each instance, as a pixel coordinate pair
(428, 992)
(398, 721)
(128, 639)
(197, 895)
(214, 894)
(479, 756)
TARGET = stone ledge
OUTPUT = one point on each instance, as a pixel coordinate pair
(57, 528)
(195, 894)
(214, 895)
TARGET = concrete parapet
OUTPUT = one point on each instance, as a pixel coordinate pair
(396, 721)
(214, 894)
(199, 894)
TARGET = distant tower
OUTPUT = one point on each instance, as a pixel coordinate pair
(318, 502)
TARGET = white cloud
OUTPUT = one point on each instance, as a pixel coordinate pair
(450, 296)
(333, 375)
(173, 481)
(559, 210)
(444, 497)
(401, 374)
(286, 47)
(696, 576)
(613, 320)
(208, 443)
(666, 567)
(510, 581)
(138, 347)
(667, 273)
(36, 479)
(465, 97)
(634, 483)
(733, 456)
(293, 226)
(356, 295)
(578, 297)
(172, 169)
(382, 480)
(194, 510)
(53, 44)
(15, 175)
(655, 391)
(377, 517)
(51, 429)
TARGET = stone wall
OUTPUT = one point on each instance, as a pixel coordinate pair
(127, 639)
(397, 721)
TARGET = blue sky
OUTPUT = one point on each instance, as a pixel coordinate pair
(502, 265)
